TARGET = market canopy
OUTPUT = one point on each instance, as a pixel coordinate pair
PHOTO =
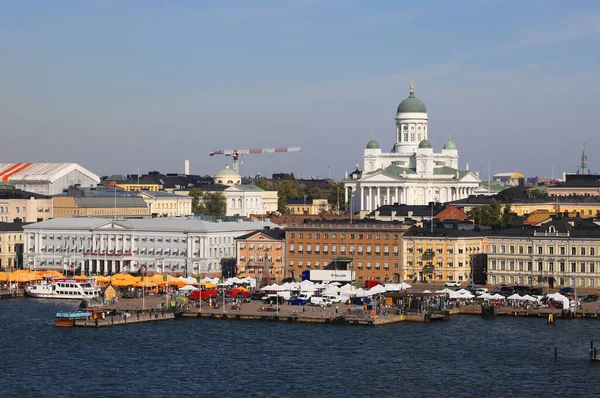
(22, 276)
(50, 274)
(515, 296)
(498, 296)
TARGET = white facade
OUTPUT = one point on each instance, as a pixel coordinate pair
(100, 246)
(47, 178)
(245, 200)
(412, 173)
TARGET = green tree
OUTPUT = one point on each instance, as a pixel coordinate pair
(337, 195)
(315, 193)
(208, 203)
(491, 214)
(195, 193)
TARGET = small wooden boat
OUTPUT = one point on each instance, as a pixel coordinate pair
(67, 319)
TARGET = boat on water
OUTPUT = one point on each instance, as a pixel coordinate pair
(64, 288)
(67, 319)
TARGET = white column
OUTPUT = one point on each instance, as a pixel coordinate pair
(363, 198)
(388, 198)
(346, 198)
(378, 203)
(396, 195)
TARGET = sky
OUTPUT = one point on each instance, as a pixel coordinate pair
(118, 86)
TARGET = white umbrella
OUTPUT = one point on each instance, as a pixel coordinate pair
(515, 296)
(529, 298)
(268, 287)
(498, 296)
(376, 290)
(391, 287)
(187, 288)
(446, 290)
(426, 291)
(404, 286)
(462, 291)
(465, 295)
(484, 296)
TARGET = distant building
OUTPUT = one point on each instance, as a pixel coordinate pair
(405, 213)
(107, 207)
(513, 179)
(261, 254)
(165, 204)
(576, 184)
(11, 245)
(22, 205)
(370, 248)
(228, 177)
(101, 246)
(46, 178)
(308, 206)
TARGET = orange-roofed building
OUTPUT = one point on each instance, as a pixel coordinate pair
(452, 213)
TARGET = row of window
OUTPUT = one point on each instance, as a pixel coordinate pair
(309, 235)
(126, 238)
(13, 238)
(532, 281)
(439, 264)
(538, 266)
(440, 250)
(359, 265)
(550, 250)
(260, 247)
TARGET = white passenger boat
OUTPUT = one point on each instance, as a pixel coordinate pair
(64, 288)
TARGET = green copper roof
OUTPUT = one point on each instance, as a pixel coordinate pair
(424, 144)
(449, 145)
(373, 144)
(412, 104)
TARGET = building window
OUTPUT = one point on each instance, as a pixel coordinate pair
(582, 251)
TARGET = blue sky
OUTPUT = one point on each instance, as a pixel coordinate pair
(117, 85)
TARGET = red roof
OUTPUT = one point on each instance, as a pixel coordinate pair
(452, 213)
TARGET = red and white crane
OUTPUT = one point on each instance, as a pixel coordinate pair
(236, 153)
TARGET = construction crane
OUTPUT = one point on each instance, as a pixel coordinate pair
(236, 153)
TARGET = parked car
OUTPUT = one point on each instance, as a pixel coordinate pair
(297, 301)
(317, 299)
(273, 299)
(257, 295)
(536, 291)
(590, 299)
(567, 290)
(360, 301)
(480, 290)
(452, 284)
(507, 290)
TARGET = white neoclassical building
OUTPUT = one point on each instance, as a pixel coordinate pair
(101, 246)
(412, 173)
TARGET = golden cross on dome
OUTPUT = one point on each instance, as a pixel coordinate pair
(449, 136)
(372, 136)
(412, 87)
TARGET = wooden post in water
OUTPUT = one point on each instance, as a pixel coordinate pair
(555, 354)
(592, 351)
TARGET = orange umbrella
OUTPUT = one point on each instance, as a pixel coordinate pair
(23, 275)
(50, 274)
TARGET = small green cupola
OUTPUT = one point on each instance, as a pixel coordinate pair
(373, 144)
(424, 144)
(449, 144)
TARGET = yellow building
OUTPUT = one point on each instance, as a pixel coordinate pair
(308, 206)
(445, 255)
(120, 206)
(165, 204)
(11, 245)
(26, 206)
(559, 253)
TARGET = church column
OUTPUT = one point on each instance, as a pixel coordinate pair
(388, 198)
(346, 198)
(378, 197)
(396, 195)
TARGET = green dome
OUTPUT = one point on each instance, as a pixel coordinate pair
(424, 144)
(373, 144)
(412, 104)
(449, 145)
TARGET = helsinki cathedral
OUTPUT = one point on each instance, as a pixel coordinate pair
(412, 173)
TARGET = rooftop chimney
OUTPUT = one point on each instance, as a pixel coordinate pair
(186, 167)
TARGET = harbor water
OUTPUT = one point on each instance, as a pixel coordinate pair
(465, 356)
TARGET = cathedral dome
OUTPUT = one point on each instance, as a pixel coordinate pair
(424, 144)
(373, 144)
(449, 145)
(412, 104)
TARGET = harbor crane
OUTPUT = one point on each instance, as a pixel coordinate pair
(236, 153)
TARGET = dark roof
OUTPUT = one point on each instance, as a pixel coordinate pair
(13, 226)
(108, 202)
(20, 194)
(274, 233)
(575, 227)
(402, 210)
(579, 180)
